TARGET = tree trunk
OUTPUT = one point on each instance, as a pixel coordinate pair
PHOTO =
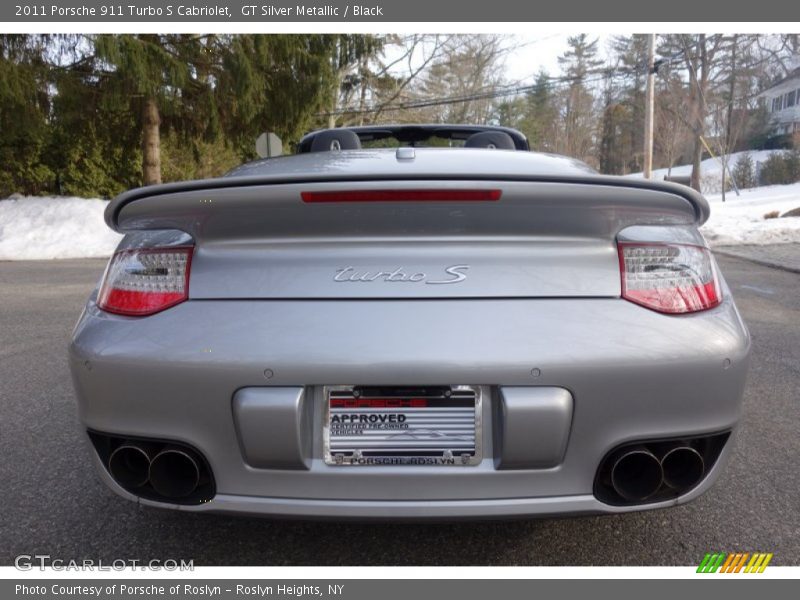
(362, 100)
(151, 143)
(729, 118)
(697, 157)
(698, 75)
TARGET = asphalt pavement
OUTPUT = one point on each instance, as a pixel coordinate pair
(54, 503)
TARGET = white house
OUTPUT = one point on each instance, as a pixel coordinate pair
(782, 101)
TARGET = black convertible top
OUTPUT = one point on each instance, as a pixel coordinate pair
(415, 134)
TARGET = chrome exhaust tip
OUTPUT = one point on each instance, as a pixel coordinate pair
(636, 474)
(129, 465)
(683, 467)
(174, 473)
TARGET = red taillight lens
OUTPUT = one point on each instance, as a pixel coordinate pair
(669, 278)
(141, 282)
(402, 196)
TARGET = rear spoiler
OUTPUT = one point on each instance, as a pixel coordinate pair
(187, 205)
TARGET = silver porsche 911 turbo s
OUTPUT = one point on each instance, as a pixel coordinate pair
(422, 321)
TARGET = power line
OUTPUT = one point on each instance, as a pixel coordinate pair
(501, 93)
(553, 83)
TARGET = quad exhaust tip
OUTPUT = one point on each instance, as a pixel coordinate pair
(656, 470)
(129, 465)
(653, 471)
(156, 469)
(683, 467)
(171, 472)
(174, 473)
(637, 474)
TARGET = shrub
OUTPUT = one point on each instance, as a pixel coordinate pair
(780, 168)
(744, 171)
(792, 159)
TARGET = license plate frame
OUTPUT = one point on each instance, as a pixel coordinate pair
(455, 450)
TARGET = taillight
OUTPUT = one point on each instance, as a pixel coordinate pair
(144, 281)
(669, 278)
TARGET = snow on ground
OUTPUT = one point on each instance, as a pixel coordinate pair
(41, 228)
(711, 169)
(740, 219)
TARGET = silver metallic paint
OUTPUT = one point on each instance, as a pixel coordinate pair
(273, 425)
(533, 426)
(638, 375)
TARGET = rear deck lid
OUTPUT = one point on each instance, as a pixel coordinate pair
(367, 227)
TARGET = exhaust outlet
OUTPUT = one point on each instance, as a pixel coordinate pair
(174, 473)
(636, 474)
(129, 465)
(683, 467)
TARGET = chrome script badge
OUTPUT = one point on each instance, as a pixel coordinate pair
(457, 274)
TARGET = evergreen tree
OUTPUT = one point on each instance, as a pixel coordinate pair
(162, 79)
(744, 171)
(24, 107)
(202, 92)
(615, 147)
(94, 140)
(540, 122)
(630, 54)
(578, 110)
(279, 83)
(511, 113)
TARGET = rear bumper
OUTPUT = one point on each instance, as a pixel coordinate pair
(411, 510)
(632, 374)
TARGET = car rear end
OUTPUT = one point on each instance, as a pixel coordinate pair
(355, 336)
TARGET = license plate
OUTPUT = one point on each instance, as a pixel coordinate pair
(402, 426)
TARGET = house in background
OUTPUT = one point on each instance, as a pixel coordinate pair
(782, 102)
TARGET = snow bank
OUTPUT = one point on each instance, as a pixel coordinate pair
(41, 228)
(711, 169)
(740, 219)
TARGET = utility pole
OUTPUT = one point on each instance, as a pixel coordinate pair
(648, 111)
(728, 145)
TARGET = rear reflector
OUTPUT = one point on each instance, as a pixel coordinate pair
(141, 282)
(403, 196)
(669, 278)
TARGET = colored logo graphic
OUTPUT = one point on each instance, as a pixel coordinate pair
(738, 562)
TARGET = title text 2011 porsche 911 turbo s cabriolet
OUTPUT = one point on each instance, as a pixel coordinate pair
(410, 322)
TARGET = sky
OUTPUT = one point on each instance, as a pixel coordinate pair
(527, 54)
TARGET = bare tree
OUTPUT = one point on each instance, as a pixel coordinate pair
(419, 52)
(731, 116)
(468, 71)
(370, 81)
(699, 54)
(783, 52)
(672, 136)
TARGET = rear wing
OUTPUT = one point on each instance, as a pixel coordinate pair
(273, 206)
